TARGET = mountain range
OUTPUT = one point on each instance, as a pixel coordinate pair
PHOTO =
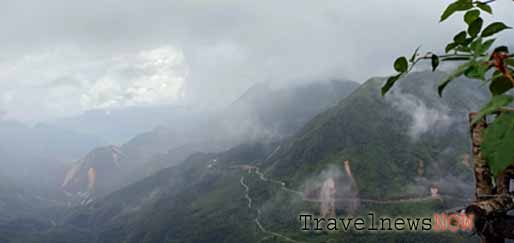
(262, 114)
(381, 154)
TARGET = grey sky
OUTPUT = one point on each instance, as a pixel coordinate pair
(60, 58)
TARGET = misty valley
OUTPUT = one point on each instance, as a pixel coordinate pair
(256, 121)
(244, 173)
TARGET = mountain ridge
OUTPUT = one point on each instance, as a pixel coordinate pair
(221, 197)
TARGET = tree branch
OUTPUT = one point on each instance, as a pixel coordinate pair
(484, 2)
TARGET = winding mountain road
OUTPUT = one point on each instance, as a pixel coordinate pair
(254, 169)
(256, 220)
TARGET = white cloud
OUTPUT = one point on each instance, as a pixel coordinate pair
(423, 118)
(225, 46)
(69, 81)
(149, 77)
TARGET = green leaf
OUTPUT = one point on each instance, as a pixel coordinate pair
(471, 16)
(435, 62)
(496, 74)
(500, 85)
(450, 47)
(485, 46)
(475, 45)
(455, 74)
(498, 144)
(401, 65)
(485, 7)
(460, 38)
(460, 5)
(468, 41)
(494, 28)
(476, 71)
(462, 49)
(475, 27)
(509, 62)
(496, 102)
(390, 82)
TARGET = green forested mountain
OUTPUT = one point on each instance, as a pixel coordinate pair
(384, 138)
(255, 192)
(261, 114)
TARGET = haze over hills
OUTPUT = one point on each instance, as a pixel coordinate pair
(32, 161)
(385, 137)
(119, 125)
(262, 114)
(226, 121)
(32, 155)
(254, 192)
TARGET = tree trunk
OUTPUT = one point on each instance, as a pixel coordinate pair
(484, 184)
(483, 187)
(492, 204)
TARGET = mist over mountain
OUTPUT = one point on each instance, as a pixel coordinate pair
(33, 155)
(227, 121)
(262, 114)
(254, 192)
(385, 137)
(32, 161)
(119, 125)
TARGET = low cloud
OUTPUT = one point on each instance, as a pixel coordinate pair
(45, 89)
(423, 118)
(95, 53)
